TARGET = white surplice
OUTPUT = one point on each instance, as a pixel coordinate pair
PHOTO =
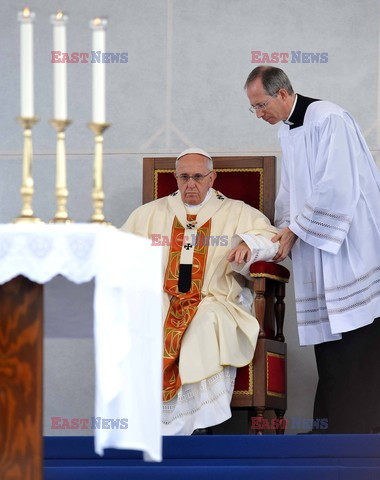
(330, 197)
(222, 333)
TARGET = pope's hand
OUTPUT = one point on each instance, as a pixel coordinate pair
(287, 239)
(240, 254)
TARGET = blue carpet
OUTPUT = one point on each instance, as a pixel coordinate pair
(287, 457)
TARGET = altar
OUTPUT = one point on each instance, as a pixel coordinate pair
(127, 335)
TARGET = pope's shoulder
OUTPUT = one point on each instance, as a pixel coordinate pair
(239, 207)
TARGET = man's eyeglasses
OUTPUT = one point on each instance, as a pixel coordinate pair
(261, 106)
(198, 177)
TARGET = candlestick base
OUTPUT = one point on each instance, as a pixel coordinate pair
(27, 219)
(61, 192)
(97, 190)
(27, 187)
(61, 215)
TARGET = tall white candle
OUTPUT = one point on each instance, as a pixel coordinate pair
(60, 72)
(26, 18)
(98, 26)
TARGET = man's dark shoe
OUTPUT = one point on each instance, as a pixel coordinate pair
(203, 431)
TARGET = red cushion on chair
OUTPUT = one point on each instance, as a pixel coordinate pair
(270, 270)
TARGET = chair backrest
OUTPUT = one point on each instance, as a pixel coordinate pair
(249, 178)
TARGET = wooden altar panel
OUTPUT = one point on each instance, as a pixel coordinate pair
(21, 337)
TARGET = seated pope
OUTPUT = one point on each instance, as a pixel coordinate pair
(208, 241)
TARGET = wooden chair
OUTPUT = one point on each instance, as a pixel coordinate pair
(261, 385)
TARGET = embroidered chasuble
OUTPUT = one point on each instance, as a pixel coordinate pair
(205, 327)
(183, 305)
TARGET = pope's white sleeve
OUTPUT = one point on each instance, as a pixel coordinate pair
(261, 249)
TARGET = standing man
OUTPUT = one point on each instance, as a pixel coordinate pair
(328, 212)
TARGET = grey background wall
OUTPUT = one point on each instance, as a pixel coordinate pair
(182, 86)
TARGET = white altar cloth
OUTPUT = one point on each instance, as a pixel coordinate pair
(127, 318)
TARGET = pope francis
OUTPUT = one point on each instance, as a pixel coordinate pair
(208, 241)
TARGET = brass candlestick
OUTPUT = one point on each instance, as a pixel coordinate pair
(61, 192)
(97, 190)
(27, 187)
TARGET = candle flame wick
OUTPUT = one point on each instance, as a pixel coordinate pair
(97, 21)
(26, 12)
(59, 15)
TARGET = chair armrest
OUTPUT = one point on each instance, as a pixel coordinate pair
(271, 270)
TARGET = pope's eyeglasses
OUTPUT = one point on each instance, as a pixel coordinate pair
(198, 177)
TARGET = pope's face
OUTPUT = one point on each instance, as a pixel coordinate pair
(276, 109)
(194, 192)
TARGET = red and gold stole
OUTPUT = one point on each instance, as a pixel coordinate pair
(183, 306)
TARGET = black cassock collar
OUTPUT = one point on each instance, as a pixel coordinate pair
(297, 117)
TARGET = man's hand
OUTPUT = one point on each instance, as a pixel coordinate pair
(240, 254)
(287, 239)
